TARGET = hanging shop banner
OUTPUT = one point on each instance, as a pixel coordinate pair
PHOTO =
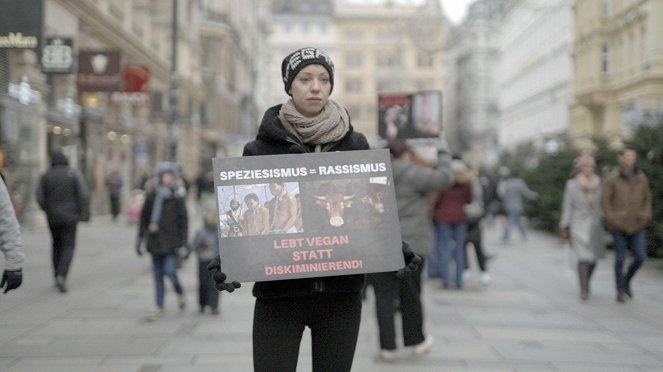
(299, 216)
(21, 24)
(99, 71)
(417, 115)
(135, 78)
(57, 56)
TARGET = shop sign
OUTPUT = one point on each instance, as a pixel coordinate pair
(68, 107)
(99, 71)
(21, 23)
(130, 98)
(23, 92)
(58, 56)
(135, 78)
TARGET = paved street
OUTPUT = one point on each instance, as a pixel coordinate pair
(528, 319)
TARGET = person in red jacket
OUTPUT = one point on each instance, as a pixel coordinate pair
(451, 227)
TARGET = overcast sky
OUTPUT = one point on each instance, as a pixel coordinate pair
(455, 9)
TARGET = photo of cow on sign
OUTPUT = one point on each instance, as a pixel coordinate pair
(288, 216)
(350, 203)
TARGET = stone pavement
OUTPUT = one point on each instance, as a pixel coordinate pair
(528, 319)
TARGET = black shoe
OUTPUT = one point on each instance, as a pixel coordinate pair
(620, 297)
(60, 284)
(627, 290)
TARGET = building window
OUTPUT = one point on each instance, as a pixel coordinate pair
(605, 60)
(353, 59)
(353, 85)
(424, 60)
(353, 34)
(605, 9)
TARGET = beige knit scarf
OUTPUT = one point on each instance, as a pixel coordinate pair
(330, 125)
(588, 185)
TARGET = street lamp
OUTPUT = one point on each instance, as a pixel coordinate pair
(173, 87)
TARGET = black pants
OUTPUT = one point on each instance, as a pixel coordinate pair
(278, 325)
(64, 242)
(207, 293)
(115, 205)
(390, 291)
(474, 237)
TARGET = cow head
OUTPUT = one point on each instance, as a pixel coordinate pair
(334, 203)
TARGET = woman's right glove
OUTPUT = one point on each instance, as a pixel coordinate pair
(412, 261)
(220, 277)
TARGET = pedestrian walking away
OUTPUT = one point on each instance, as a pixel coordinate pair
(114, 184)
(512, 191)
(329, 306)
(11, 243)
(475, 212)
(164, 229)
(451, 227)
(581, 221)
(626, 203)
(61, 194)
(413, 182)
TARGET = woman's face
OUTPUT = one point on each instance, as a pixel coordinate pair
(310, 90)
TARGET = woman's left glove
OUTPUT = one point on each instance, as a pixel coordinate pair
(12, 279)
(220, 277)
(412, 262)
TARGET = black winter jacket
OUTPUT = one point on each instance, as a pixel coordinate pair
(274, 139)
(173, 225)
(60, 192)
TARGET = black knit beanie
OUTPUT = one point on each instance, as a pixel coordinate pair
(301, 58)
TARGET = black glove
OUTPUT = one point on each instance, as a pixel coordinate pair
(13, 278)
(139, 243)
(412, 262)
(220, 277)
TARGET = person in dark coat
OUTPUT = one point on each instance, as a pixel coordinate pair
(164, 228)
(114, 184)
(329, 306)
(61, 194)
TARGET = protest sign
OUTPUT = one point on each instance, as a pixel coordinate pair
(300, 216)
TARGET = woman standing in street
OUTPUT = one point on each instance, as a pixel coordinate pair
(580, 222)
(330, 306)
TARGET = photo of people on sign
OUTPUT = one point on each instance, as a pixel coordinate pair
(322, 215)
(410, 116)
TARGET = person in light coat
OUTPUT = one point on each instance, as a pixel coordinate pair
(580, 221)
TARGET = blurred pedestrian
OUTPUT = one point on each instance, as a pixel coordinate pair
(114, 184)
(330, 306)
(581, 223)
(164, 227)
(475, 212)
(451, 226)
(512, 191)
(204, 184)
(413, 183)
(206, 246)
(11, 243)
(626, 203)
(61, 194)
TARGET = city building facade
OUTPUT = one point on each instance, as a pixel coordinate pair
(471, 111)
(617, 67)
(534, 74)
(389, 47)
(127, 84)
